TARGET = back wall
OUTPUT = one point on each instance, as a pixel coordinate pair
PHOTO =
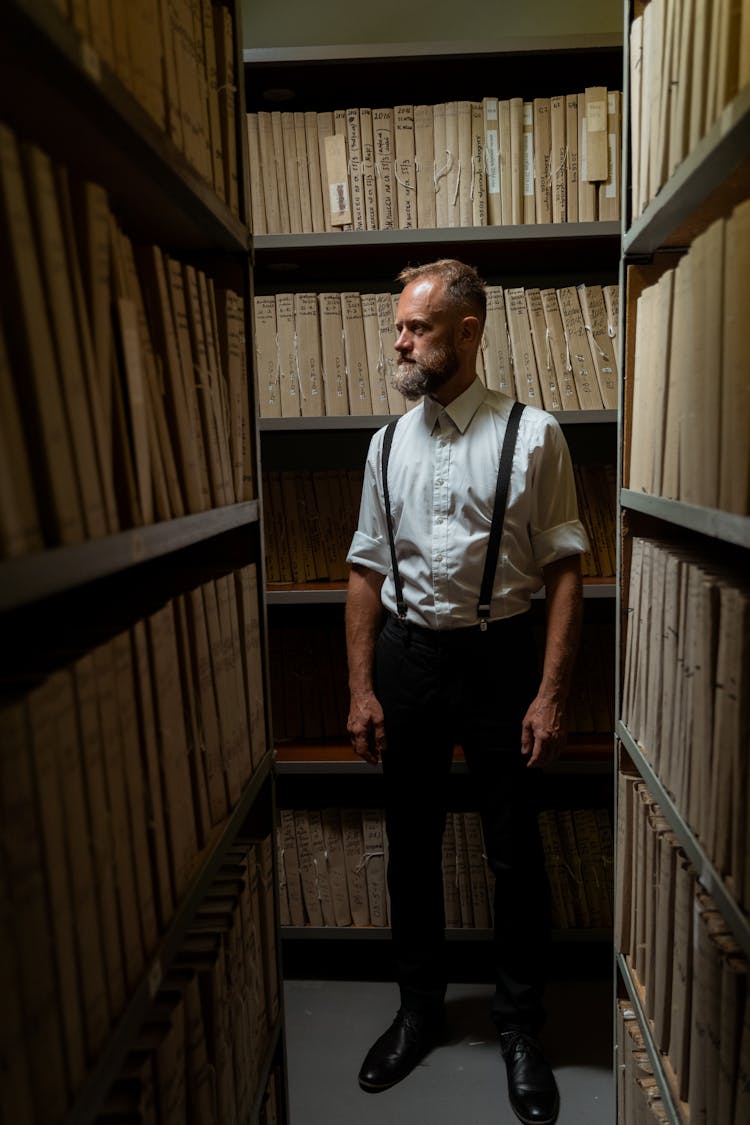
(294, 23)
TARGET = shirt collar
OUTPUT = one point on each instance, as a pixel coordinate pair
(460, 411)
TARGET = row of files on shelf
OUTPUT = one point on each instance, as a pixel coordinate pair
(176, 58)
(118, 771)
(309, 682)
(332, 354)
(454, 164)
(310, 518)
(124, 382)
(333, 862)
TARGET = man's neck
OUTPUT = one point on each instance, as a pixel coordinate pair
(455, 386)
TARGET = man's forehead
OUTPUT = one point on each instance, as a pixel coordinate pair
(426, 294)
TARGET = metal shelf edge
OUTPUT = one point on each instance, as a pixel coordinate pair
(714, 158)
(725, 526)
(575, 767)
(39, 575)
(382, 933)
(594, 591)
(651, 1047)
(377, 421)
(353, 51)
(707, 874)
(528, 232)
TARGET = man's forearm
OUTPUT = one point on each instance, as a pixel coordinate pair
(564, 600)
(364, 613)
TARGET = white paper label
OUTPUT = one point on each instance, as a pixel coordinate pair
(596, 117)
(492, 162)
(528, 164)
(610, 190)
(339, 195)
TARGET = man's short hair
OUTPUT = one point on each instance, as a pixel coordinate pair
(464, 288)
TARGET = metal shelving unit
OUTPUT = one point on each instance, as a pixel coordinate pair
(562, 254)
(58, 94)
(707, 184)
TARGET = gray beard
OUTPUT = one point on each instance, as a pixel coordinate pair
(414, 380)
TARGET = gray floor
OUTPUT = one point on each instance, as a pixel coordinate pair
(331, 1024)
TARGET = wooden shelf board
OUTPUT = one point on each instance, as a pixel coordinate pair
(585, 753)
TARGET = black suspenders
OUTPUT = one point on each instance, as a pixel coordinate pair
(498, 515)
(387, 442)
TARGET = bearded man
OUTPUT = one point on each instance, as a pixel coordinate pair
(468, 508)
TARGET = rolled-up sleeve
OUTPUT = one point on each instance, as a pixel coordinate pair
(369, 546)
(555, 528)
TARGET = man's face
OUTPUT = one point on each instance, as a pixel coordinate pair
(426, 340)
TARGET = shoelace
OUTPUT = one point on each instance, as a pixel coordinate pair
(520, 1043)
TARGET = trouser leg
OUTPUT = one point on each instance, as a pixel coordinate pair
(521, 900)
(416, 768)
(504, 789)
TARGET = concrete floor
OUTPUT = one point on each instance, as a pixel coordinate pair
(330, 1025)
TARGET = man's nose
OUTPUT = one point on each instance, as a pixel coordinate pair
(402, 342)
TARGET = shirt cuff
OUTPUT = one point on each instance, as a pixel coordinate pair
(559, 542)
(371, 553)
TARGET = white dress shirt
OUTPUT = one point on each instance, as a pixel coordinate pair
(442, 475)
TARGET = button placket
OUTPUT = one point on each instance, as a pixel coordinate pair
(440, 502)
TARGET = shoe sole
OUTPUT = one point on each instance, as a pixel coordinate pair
(372, 1088)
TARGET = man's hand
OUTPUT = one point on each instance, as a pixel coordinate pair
(543, 731)
(366, 726)
(364, 615)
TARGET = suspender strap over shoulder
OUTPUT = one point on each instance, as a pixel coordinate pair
(498, 514)
(399, 590)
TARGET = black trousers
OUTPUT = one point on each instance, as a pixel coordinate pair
(438, 688)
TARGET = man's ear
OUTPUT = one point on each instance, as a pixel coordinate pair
(469, 331)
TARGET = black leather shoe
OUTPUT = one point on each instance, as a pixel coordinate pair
(531, 1084)
(399, 1049)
